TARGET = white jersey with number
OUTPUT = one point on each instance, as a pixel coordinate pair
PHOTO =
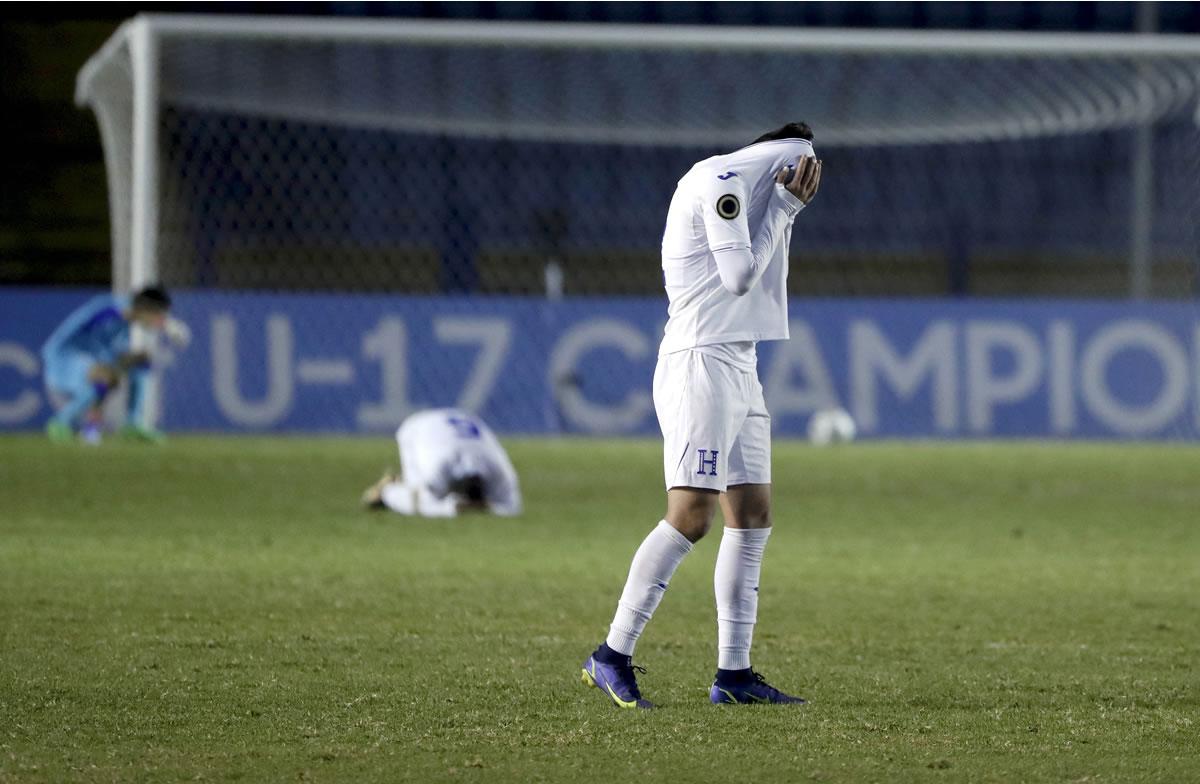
(440, 446)
(723, 203)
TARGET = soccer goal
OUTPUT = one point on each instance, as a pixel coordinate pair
(421, 156)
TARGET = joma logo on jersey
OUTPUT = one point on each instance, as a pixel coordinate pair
(726, 175)
(708, 459)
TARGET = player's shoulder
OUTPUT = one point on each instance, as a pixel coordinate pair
(713, 175)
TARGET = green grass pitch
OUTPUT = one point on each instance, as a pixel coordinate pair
(220, 609)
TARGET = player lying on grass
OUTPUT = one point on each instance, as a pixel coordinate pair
(452, 463)
(725, 265)
(90, 354)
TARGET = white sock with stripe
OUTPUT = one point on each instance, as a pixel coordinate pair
(735, 582)
(649, 575)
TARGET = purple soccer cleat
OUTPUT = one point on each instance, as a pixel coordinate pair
(617, 681)
(754, 690)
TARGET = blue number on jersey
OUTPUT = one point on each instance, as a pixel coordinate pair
(463, 427)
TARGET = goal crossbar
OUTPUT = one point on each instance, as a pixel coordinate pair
(676, 37)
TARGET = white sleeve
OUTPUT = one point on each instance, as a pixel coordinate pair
(741, 267)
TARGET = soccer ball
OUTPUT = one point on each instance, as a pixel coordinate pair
(831, 426)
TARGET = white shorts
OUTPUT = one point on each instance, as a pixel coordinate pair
(715, 425)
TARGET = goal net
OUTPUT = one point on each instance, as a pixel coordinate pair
(441, 158)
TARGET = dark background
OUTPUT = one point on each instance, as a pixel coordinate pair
(53, 208)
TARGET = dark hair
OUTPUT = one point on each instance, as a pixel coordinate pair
(152, 298)
(796, 130)
(469, 487)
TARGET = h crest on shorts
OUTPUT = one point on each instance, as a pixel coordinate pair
(709, 462)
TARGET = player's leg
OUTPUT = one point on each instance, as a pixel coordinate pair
(746, 506)
(689, 514)
(747, 511)
(409, 499)
(610, 667)
(696, 401)
(78, 391)
(698, 415)
(409, 494)
(103, 379)
(59, 427)
(422, 458)
(691, 510)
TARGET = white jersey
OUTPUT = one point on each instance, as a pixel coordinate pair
(440, 446)
(730, 203)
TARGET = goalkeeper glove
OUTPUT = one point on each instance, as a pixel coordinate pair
(146, 435)
(177, 333)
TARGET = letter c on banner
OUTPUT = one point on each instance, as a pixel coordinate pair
(564, 361)
(26, 404)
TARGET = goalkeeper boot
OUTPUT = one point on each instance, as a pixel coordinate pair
(748, 688)
(617, 681)
(59, 432)
(146, 435)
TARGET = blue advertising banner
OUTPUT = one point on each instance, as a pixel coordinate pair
(902, 368)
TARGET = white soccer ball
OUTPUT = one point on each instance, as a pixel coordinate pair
(831, 426)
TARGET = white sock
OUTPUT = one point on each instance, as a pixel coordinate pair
(653, 565)
(735, 581)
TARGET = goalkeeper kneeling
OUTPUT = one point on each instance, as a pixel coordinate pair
(89, 355)
(452, 463)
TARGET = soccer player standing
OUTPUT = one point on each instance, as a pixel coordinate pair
(725, 264)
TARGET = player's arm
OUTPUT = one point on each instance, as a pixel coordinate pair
(508, 507)
(504, 492)
(505, 499)
(740, 261)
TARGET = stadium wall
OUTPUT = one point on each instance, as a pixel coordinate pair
(905, 368)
